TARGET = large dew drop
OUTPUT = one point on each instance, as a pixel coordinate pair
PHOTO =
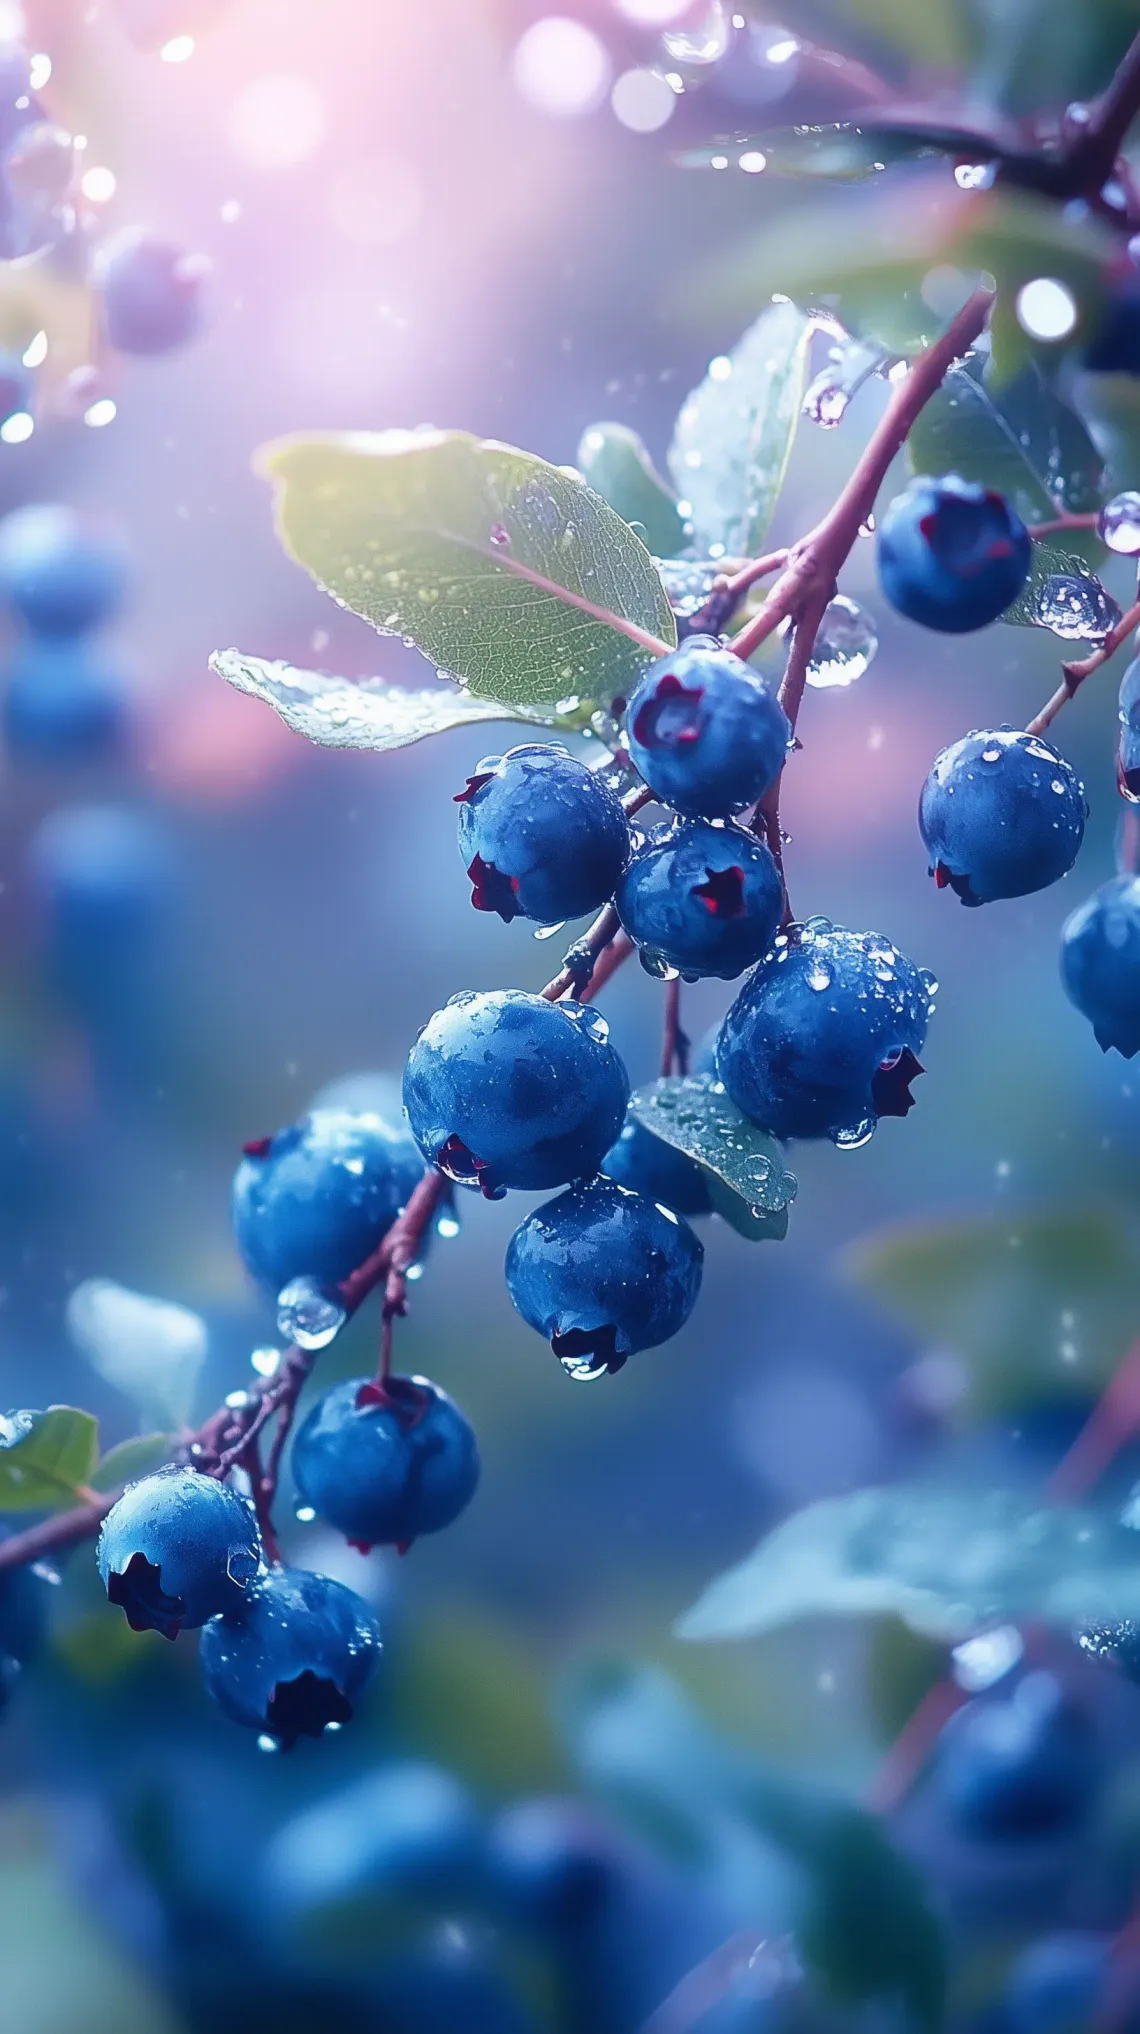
(1079, 610)
(307, 1316)
(845, 645)
(1119, 525)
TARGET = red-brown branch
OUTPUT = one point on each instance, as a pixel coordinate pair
(1074, 674)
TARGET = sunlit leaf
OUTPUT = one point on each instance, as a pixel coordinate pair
(132, 1459)
(150, 1349)
(46, 1458)
(1021, 439)
(618, 466)
(948, 1562)
(734, 434)
(749, 1181)
(343, 713)
(512, 575)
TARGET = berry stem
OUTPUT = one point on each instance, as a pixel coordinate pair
(675, 1042)
(728, 591)
(1074, 675)
(1092, 154)
(1065, 521)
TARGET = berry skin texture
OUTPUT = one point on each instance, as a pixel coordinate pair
(1018, 1764)
(1100, 963)
(706, 732)
(385, 1464)
(952, 555)
(294, 1658)
(151, 292)
(541, 836)
(1002, 814)
(601, 1273)
(63, 704)
(647, 1165)
(505, 1090)
(315, 1200)
(703, 899)
(176, 1549)
(60, 576)
(824, 1037)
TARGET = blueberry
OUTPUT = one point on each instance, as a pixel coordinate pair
(64, 703)
(504, 1090)
(411, 1828)
(541, 836)
(552, 1863)
(824, 1037)
(1055, 1986)
(647, 1165)
(952, 555)
(1115, 349)
(706, 732)
(1018, 1763)
(294, 1658)
(105, 871)
(703, 899)
(1002, 814)
(1128, 741)
(177, 1548)
(315, 1200)
(151, 292)
(601, 1273)
(385, 1464)
(1100, 963)
(60, 575)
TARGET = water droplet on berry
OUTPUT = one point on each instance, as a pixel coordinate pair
(307, 1316)
(1119, 525)
(655, 964)
(1076, 609)
(846, 643)
(447, 1227)
(583, 1369)
(305, 1514)
(265, 1743)
(818, 977)
(548, 931)
(856, 1135)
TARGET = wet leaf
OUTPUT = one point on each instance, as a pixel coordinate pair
(1019, 438)
(734, 434)
(46, 1458)
(514, 577)
(838, 151)
(948, 1562)
(150, 1349)
(1051, 561)
(132, 1459)
(617, 465)
(346, 713)
(748, 1179)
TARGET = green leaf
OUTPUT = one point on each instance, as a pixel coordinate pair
(856, 1907)
(346, 713)
(1040, 1303)
(1048, 562)
(512, 575)
(46, 1458)
(948, 1562)
(1020, 439)
(748, 1179)
(132, 1459)
(734, 434)
(840, 152)
(939, 32)
(617, 465)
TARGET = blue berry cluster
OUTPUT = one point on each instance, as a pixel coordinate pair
(61, 580)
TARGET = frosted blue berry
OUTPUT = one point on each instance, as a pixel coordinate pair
(706, 732)
(60, 574)
(541, 836)
(1019, 1763)
(1100, 963)
(177, 1548)
(952, 555)
(295, 1658)
(316, 1199)
(151, 292)
(703, 899)
(63, 703)
(385, 1464)
(1002, 814)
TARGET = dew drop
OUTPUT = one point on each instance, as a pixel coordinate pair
(1076, 609)
(845, 645)
(307, 1316)
(1119, 525)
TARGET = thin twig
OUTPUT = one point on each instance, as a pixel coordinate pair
(1091, 156)
(1074, 675)
(1065, 521)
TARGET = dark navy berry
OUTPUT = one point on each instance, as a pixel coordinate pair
(541, 836)
(61, 576)
(647, 1165)
(706, 732)
(703, 899)
(411, 1828)
(952, 555)
(1115, 347)
(1128, 741)
(176, 1549)
(385, 1463)
(1055, 1986)
(64, 703)
(1100, 963)
(504, 1090)
(601, 1273)
(824, 1037)
(1002, 814)
(552, 1863)
(315, 1200)
(1018, 1763)
(295, 1658)
(151, 292)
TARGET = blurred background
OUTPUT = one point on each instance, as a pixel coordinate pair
(446, 211)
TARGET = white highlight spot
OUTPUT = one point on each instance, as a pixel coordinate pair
(98, 184)
(36, 351)
(561, 67)
(278, 121)
(643, 101)
(16, 428)
(753, 161)
(1046, 309)
(102, 412)
(177, 50)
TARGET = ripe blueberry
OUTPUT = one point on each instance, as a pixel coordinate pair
(602, 1272)
(824, 1037)
(703, 899)
(952, 555)
(176, 1549)
(1055, 1986)
(541, 836)
(151, 292)
(1019, 1763)
(294, 1658)
(411, 1828)
(1128, 741)
(504, 1090)
(61, 576)
(315, 1200)
(647, 1165)
(706, 732)
(1100, 963)
(552, 1863)
(384, 1464)
(1002, 814)
(64, 703)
